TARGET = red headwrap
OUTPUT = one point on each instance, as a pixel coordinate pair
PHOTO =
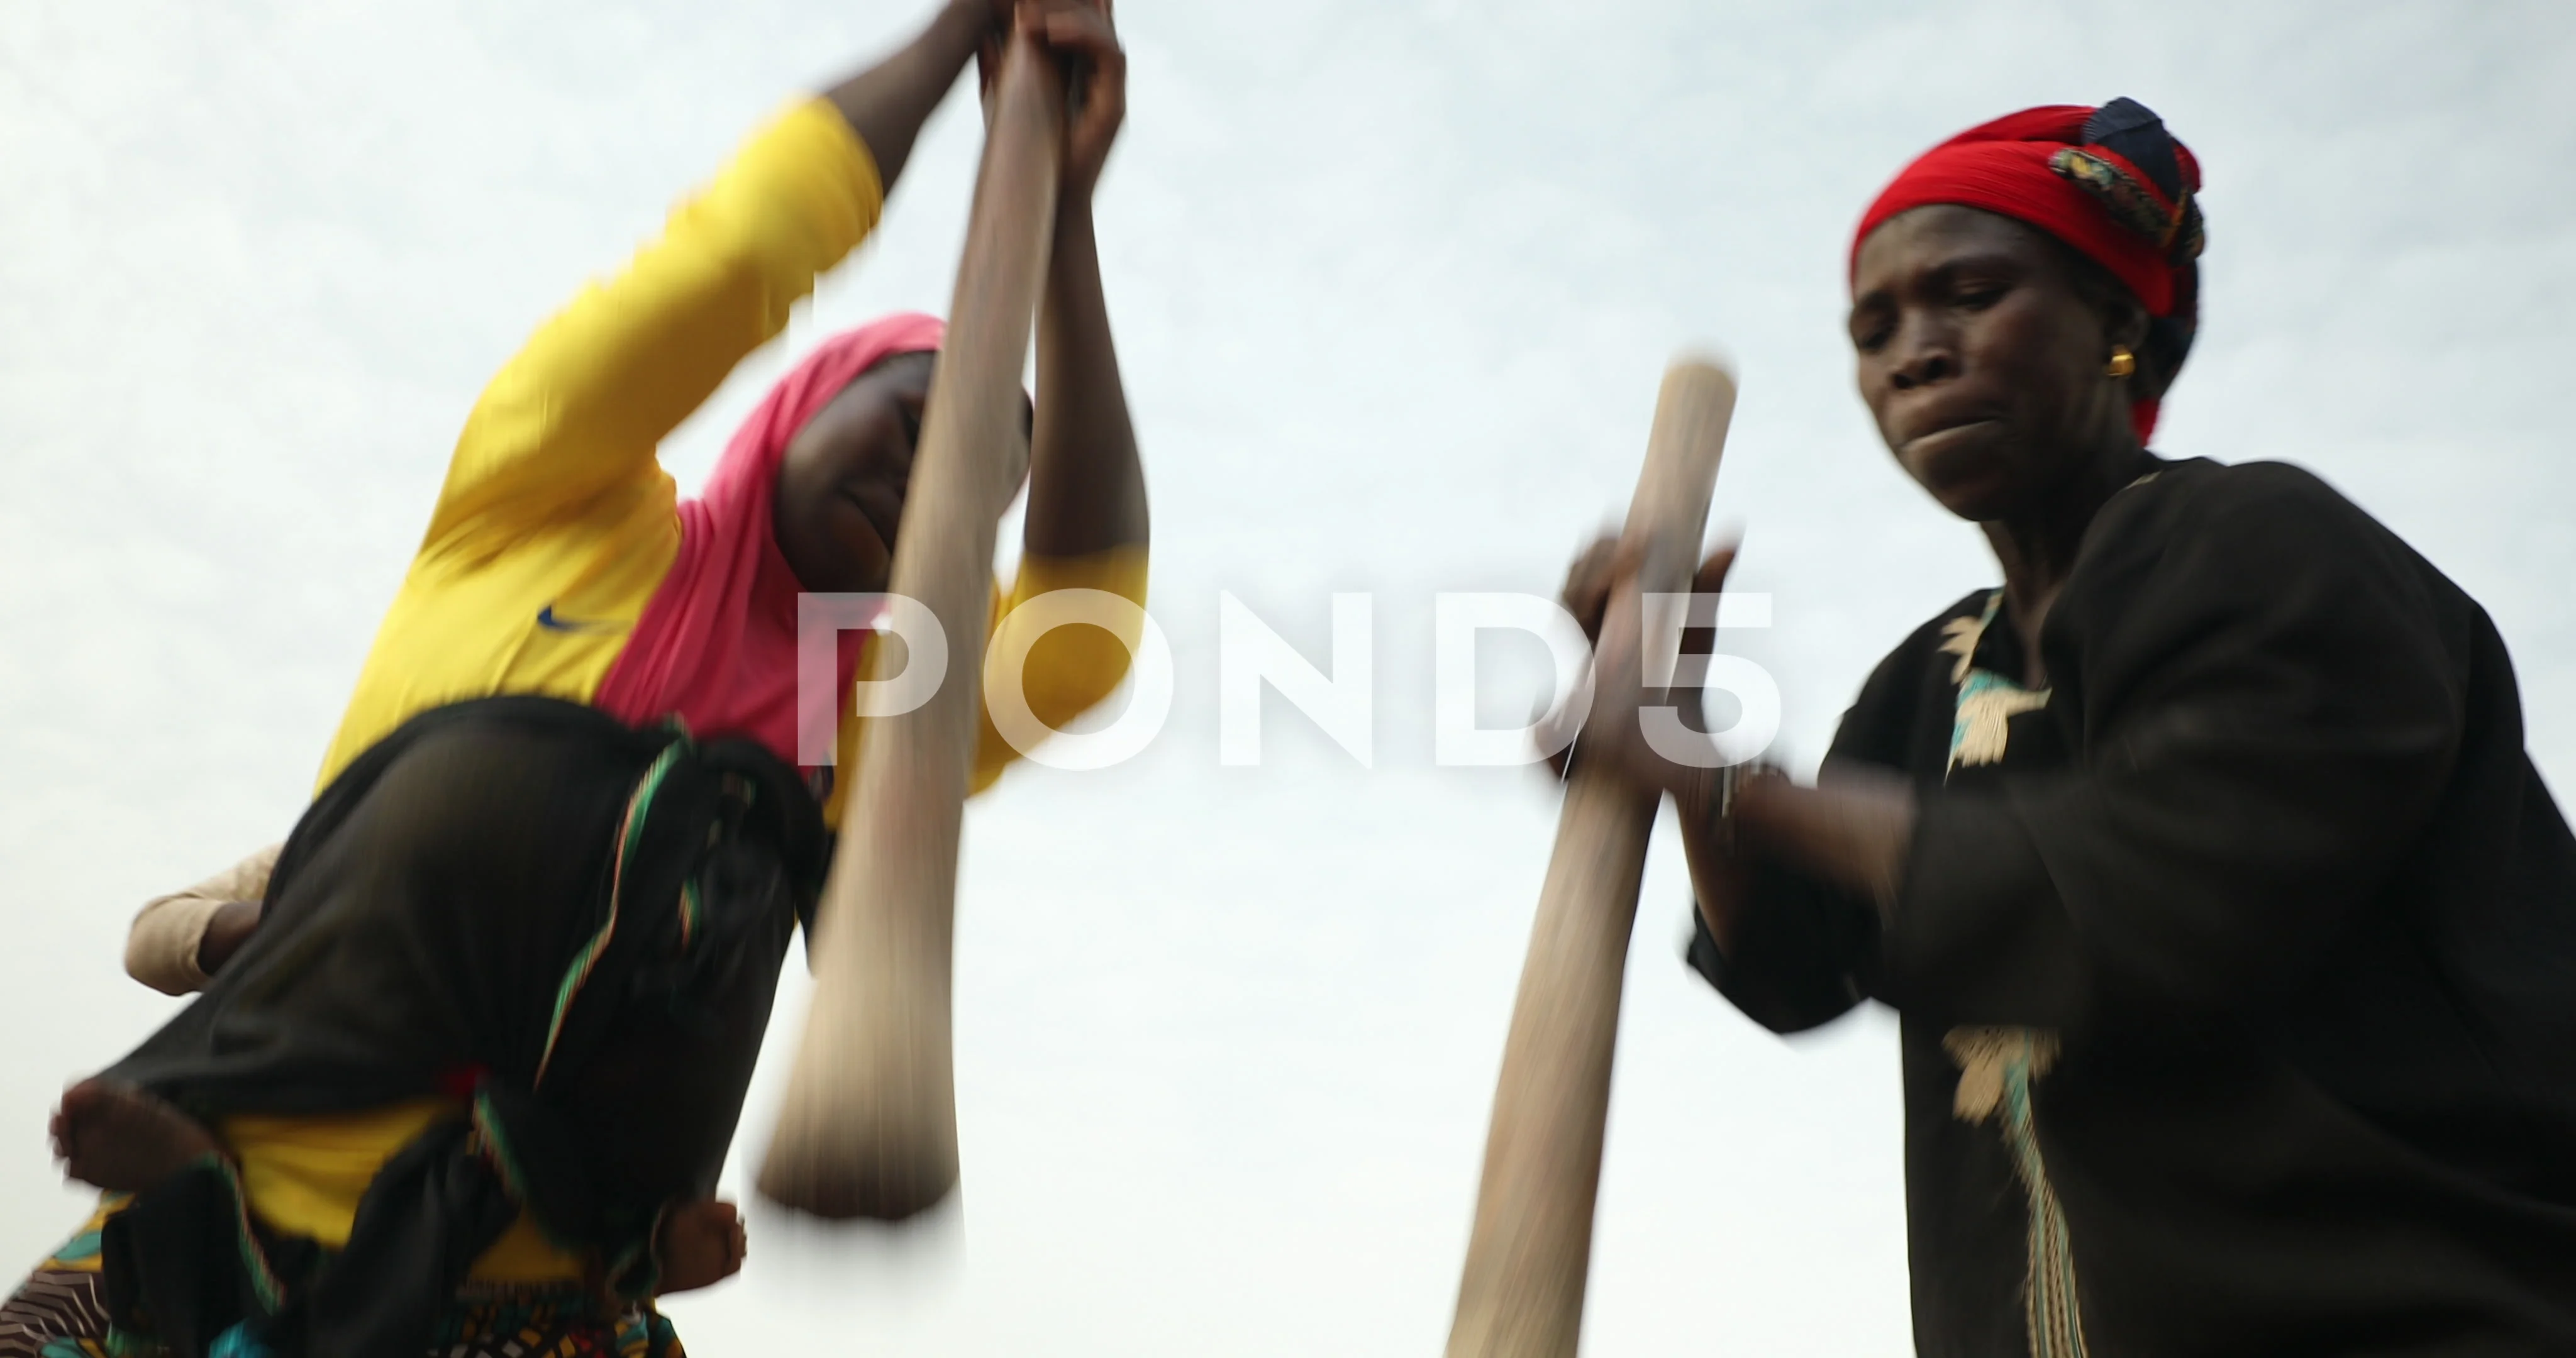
(717, 643)
(2109, 182)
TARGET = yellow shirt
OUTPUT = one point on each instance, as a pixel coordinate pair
(557, 523)
(304, 1176)
(555, 511)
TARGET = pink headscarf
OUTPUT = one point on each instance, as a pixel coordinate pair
(717, 644)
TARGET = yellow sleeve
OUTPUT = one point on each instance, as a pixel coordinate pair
(1070, 669)
(581, 409)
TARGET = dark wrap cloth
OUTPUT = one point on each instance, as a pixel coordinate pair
(2273, 871)
(577, 922)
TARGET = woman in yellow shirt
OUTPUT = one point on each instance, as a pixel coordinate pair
(493, 1031)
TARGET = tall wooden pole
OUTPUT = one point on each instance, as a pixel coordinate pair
(869, 1126)
(1528, 1257)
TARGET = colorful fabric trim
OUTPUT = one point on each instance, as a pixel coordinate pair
(2128, 199)
(80, 1254)
(552, 1323)
(638, 807)
(493, 1143)
(1987, 702)
(264, 1283)
(1998, 1065)
(1996, 1069)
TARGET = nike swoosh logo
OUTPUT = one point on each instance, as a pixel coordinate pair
(546, 619)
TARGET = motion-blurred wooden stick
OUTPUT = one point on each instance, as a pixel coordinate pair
(1531, 1249)
(869, 1126)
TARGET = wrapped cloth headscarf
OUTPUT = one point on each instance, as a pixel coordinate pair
(2109, 182)
(716, 646)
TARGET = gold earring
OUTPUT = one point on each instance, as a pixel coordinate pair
(2122, 363)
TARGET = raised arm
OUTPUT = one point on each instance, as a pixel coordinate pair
(887, 103)
(1087, 526)
(1086, 485)
(576, 416)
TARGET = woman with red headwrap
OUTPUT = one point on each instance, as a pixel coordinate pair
(475, 1037)
(2231, 929)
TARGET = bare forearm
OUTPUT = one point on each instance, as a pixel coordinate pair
(887, 103)
(1086, 485)
(1716, 874)
(1853, 829)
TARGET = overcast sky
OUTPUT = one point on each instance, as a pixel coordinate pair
(1393, 284)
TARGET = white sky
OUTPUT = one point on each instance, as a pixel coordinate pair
(1393, 285)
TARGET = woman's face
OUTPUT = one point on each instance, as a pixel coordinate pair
(1981, 356)
(841, 484)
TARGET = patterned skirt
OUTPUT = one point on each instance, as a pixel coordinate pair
(61, 1312)
(56, 1313)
